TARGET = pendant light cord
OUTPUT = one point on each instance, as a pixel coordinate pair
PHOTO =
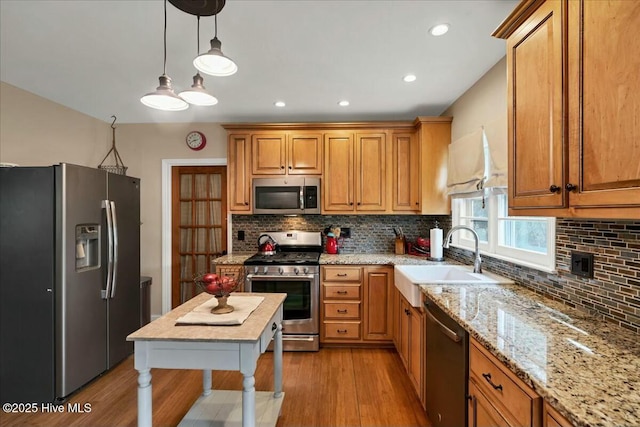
(198, 52)
(215, 22)
(164, 67)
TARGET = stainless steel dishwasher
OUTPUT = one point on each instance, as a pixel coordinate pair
(447, 368)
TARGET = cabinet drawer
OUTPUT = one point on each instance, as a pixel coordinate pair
(341, 274)
(267, 335)
(342, 310)
(503, 388)
(341, 292)
(342, 330)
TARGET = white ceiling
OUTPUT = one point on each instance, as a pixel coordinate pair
(100, 57)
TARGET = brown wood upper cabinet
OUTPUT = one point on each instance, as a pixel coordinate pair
(405, 181)
(365, 167)
(573, 108)
(239, 173)
(354, 176)
(283, 153)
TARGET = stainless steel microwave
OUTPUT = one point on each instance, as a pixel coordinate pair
(286, 195)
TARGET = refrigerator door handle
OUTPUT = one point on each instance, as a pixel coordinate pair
(107, 207)
(114, 248)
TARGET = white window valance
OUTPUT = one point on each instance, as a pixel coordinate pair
(496, 135)
(466, 167)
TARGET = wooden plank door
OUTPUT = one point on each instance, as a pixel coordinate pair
(199, 225)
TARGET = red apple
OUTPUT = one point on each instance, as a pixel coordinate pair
(214, 287)
(209, 277)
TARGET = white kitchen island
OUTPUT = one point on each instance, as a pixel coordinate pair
(162, 344)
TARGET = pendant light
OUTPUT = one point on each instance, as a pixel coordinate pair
(198, 95)
(164, 98)
(214, 62)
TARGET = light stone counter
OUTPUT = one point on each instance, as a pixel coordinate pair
(165, 327)
(231, 259)
(588, 369)
(329, 259)
(371, 259)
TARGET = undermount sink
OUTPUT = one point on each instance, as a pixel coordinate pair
(409, 277)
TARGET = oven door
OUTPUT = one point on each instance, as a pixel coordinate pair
(301, 315)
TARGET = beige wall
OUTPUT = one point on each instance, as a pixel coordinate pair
(38, 132)
(484, 102)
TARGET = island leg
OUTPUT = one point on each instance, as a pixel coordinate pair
(248, 401)
(144, 398)
(206, 382)
(277, 362)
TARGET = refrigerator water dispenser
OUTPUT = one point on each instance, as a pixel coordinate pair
(87, 247)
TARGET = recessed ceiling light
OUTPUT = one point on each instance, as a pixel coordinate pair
(409, 78)
(343, 103)
(279, 104)
(438, 30)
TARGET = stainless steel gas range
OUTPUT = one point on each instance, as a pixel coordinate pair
(295, 270)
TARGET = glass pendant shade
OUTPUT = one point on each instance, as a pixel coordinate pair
(164, 98)
(214, 62)
(198, 95)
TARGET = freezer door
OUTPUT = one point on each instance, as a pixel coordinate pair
(81, 312)
(124, 297)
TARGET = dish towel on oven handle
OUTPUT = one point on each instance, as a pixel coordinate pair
(201, 315)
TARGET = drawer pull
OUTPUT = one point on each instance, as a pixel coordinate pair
(341, 292)
(341, 274)
(342, 311)
(341, 331)
(488, 378)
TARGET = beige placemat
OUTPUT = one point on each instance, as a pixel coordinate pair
(201, 315)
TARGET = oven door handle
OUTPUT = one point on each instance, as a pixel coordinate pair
(266, 276)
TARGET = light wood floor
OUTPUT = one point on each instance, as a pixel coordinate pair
(333, 387)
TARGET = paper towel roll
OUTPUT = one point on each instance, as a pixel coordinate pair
(436, 243)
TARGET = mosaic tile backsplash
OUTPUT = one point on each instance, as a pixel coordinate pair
(613, 293)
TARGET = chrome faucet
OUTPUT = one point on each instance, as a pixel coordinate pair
(477, 268)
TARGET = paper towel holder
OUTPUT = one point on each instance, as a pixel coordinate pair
(435, 237)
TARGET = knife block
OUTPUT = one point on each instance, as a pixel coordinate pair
(399, 246)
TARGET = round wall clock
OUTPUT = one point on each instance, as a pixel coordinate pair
(196, 140)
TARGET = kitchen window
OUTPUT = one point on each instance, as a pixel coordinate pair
(528, 241)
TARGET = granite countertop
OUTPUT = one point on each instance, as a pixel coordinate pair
(164, 328)
(329, 259)
(588, 369)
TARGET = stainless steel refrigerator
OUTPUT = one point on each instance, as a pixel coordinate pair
(69, 277)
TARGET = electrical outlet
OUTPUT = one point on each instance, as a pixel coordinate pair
(345, 232)
(582, 264)
(240, 235)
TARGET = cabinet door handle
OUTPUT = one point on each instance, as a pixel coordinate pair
(290, 168)
(282, 167)
(571, 187)
(555, 189)
(341, 292)
(488, 378)
(246, 203)
(350, 203)
(341, 331)
(341, 274)
(342, 311)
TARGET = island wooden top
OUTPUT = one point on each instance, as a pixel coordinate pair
(165, 328)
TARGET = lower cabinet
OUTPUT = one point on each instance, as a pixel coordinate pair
(232, 270)
(356, 305)
(496, 396)
(409, 338)
(552, 418)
